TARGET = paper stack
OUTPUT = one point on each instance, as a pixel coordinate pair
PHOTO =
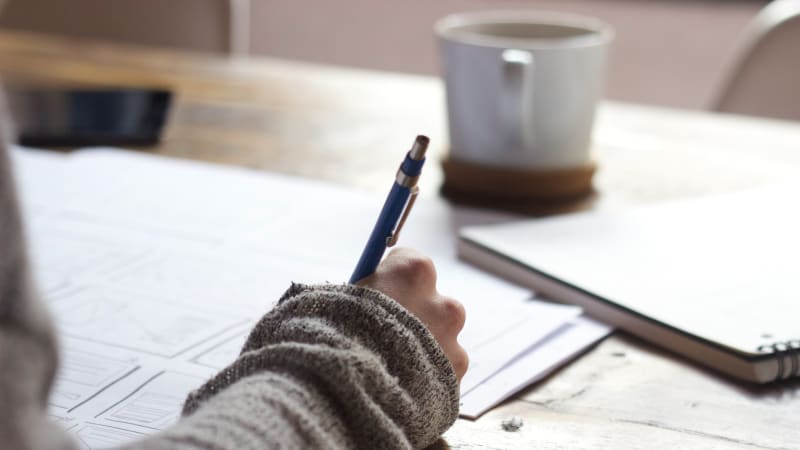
(157, 268)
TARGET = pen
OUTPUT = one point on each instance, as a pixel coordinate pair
(394, 212)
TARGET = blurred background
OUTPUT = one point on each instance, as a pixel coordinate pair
(675, 53)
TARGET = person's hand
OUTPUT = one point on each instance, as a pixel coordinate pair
(410, 278)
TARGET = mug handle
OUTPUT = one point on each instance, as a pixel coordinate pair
(518, 108)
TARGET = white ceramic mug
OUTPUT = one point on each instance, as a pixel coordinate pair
(522, 87)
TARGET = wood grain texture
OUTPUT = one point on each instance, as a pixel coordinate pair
(347, 126)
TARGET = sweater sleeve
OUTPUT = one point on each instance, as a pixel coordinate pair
(332, 366)
(27, 341)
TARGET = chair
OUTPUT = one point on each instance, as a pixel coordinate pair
(764, 79)
(220, 26)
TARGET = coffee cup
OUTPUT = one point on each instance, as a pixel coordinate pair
(522, 89)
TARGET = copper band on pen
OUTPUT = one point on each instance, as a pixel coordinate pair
(392, 238)
(406, 181)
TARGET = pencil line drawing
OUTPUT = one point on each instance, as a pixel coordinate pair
(155, 404)
(222, 354)
(127, 321)
(94, 436)
(82, 375)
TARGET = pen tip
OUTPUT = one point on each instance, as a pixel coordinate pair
(419, 147)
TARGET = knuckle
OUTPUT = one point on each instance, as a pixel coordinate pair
(460, 362)
(418, 269)
(454, 314)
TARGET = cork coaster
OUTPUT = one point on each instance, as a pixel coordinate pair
(470, 181)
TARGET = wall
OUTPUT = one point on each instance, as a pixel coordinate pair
(667, 52)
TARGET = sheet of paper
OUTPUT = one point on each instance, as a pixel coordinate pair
(117, 237)
(536, 363)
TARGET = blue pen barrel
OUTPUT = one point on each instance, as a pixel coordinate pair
(376, 245)
(393, 209)
(412, 167)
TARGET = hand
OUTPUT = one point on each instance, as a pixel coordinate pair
(410, 278)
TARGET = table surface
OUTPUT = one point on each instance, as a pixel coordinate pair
(347, 126)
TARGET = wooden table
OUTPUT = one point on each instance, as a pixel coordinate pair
(347, 126)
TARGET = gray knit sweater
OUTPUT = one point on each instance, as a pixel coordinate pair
(331, 366)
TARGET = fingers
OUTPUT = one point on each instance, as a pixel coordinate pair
(452, 317)
(405, 275)
(443, 315)
(458, 358)
(452, 314)
(410, 267)
(409, 277)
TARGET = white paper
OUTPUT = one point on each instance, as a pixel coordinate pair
(539, 361)
(156, 269)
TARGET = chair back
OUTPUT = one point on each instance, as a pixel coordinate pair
(205, 25)
(764, 77)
